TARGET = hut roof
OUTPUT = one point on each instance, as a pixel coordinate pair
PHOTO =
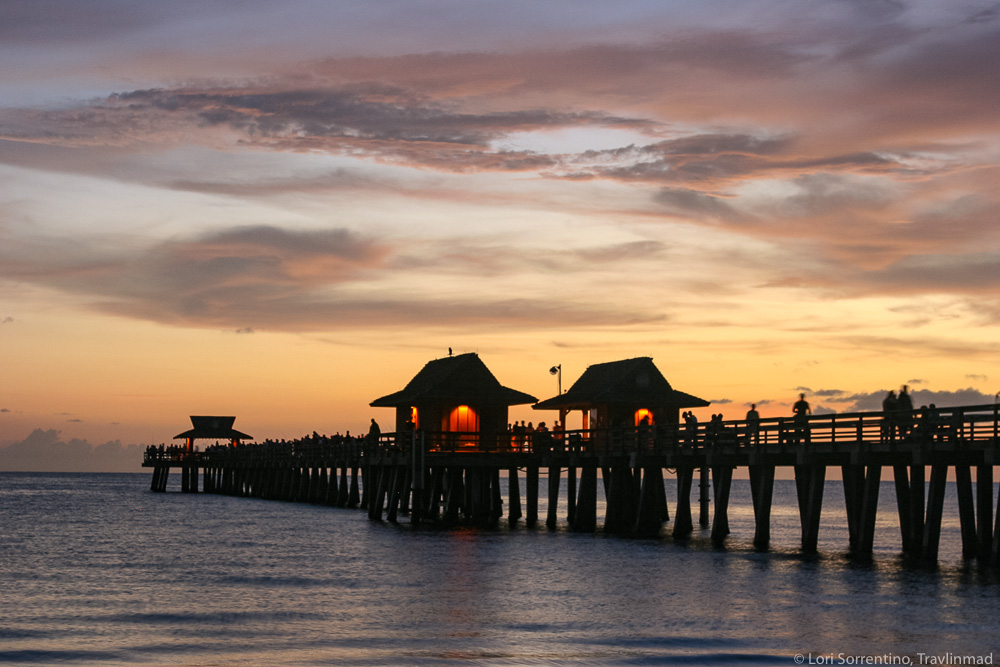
(630, 381)
(213, 427)
(462, 378)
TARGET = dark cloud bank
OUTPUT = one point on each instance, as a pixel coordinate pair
(44, 451)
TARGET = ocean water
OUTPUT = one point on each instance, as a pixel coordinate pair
(97, 570)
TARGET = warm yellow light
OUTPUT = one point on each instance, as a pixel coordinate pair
(463, 418)
(643, 413)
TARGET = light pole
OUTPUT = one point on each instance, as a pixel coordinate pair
(557, 370)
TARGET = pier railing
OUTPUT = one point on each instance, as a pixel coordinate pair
(948, 429)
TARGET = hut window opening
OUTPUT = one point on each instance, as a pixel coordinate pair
(463, 418)
(643, 413)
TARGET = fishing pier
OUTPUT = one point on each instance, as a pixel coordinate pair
(454, 475)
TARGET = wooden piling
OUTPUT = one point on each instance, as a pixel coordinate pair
(433, 507)
(531, 489)
(649, 516)
(551, 515)
(935, 507)
(984, 513)
(722, 478)
(762, 491)
(868, 511)
(683, 525)
(966, 511)
(917, 512)
(354, 497)
(809, 482)
(513, 497)
(586, 507)
(703, 498)
(901, 480)
(571, 495)
(496, 495)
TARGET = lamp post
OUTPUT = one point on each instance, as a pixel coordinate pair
(557, 370)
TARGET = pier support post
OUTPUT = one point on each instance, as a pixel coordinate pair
(433, 509)
(496, 495)
(354, 499)
(869, 511)
(917, 512)
(571, 495)
(966, 511)
(853, 477)
(586, 507)
(649, 517)
(904, 507)
(984, 506)
(336, 482)
(397, 483)
(531, 487)
(762, 492)
(935, 506)
(995, 546)
(513, 497)
(722, 478)
(368, 485)
(383, 477)
(551, 516)
(703, 497)
(682, 515)
(620, 514)
(454, 493)
(809, 483)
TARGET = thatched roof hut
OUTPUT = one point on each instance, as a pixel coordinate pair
(622, 393)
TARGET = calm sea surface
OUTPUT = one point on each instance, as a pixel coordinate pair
(96, 570)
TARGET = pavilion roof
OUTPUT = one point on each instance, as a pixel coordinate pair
(630, 381)
(462, 378)
(220, 428)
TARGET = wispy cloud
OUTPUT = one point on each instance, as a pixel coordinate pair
(271, 278)
(861, 141)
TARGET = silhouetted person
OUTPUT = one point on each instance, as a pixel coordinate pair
(753, 424)
(932, 421)
(904, 418)
(542, 439)
(644, 432)
(374, 433)
(558, 434)
(890, 406)
(715, 427)
(801, 411)
(692, 427)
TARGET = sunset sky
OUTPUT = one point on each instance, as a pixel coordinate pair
(281, 211)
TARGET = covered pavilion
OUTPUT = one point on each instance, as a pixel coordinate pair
(622, 394)
(212, 428)
(457, 402)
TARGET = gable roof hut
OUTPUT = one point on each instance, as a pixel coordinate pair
(457, 402)
(623, 393)
(212, 428)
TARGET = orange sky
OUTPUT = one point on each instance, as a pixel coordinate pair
(282, 215)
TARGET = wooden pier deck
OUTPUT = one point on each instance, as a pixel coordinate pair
(453, 477)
